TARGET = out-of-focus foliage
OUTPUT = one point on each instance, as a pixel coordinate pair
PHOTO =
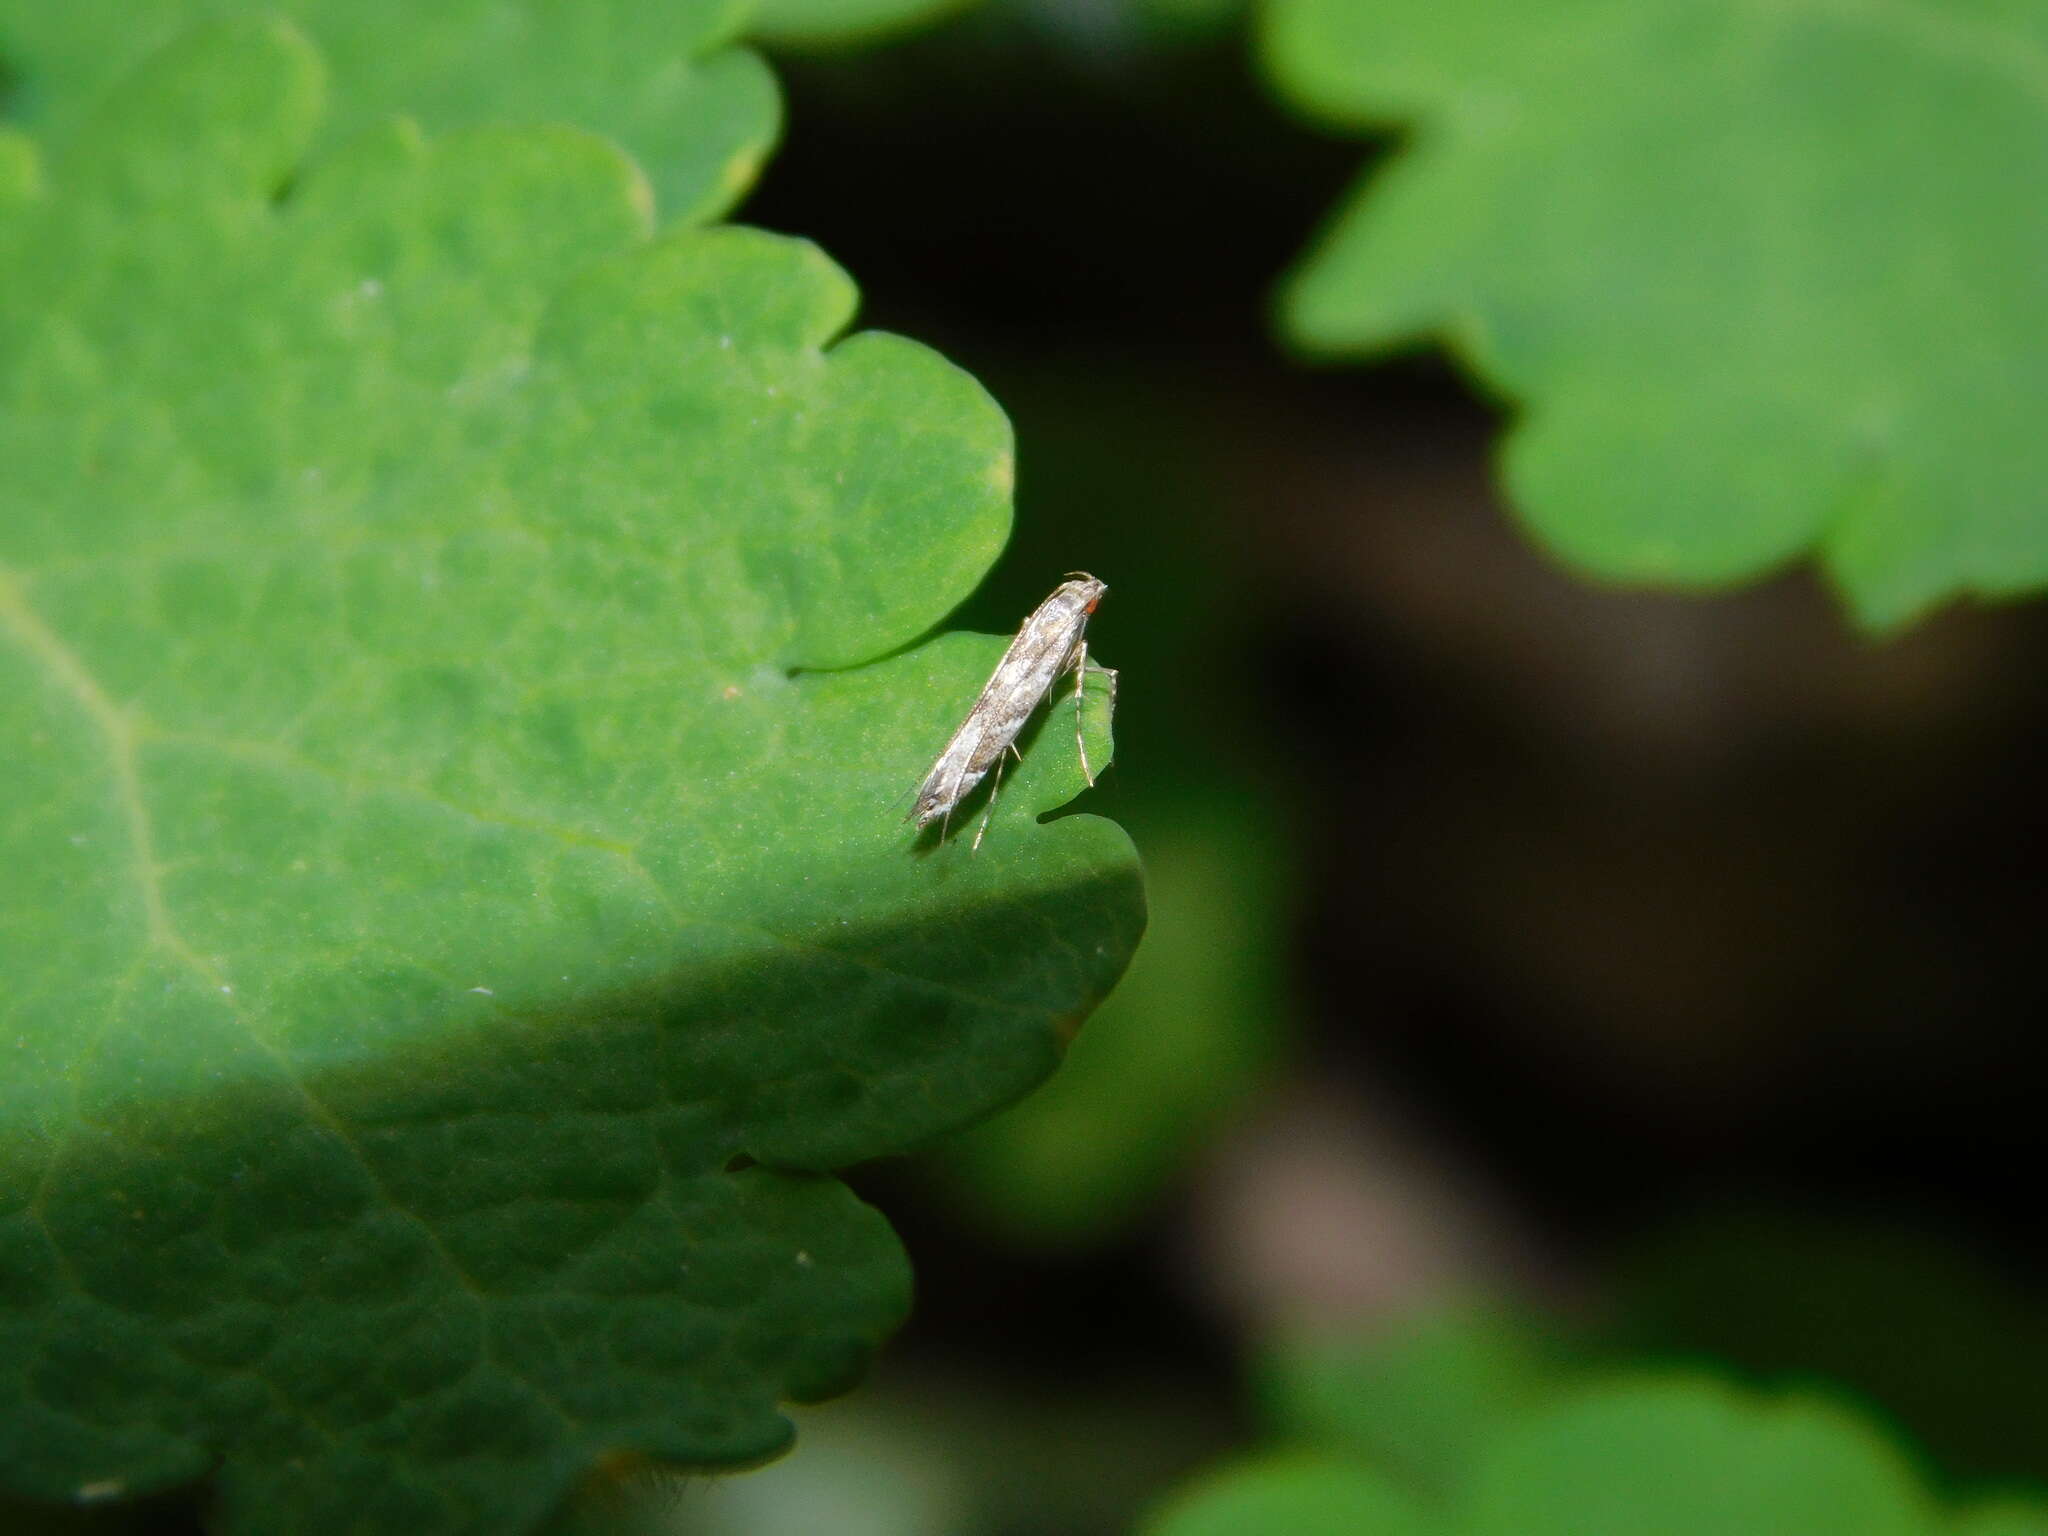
(456, 666)
(1765, 282)
(1956, 1350)
(1692, 1458)
(2003, 1518)
(1651, 1457)
(1419, 1401)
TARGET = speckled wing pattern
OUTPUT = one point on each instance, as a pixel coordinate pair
(1048, 643)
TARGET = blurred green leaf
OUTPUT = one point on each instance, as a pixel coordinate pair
(1944, 1341)
(446, 908)
(1188, 1034)
(2003, 1519)
(1289, 1496)
(18, 170)
(1419, 1401)
(1673, 1457)
(1692, 1458)
(663, 77)
(1765, 282)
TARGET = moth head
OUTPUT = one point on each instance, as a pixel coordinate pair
(1086, 588)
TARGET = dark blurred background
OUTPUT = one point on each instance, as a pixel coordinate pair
(1666, 964)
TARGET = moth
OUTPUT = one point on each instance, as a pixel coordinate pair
(1052, 642)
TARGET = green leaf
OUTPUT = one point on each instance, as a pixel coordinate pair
(1649, 1457)
(2003, 1518)
(449, 901)
(1691, 1458)
(1766, 282)
(1288, 1496)
(1955, 1350)
(18, 170)
(1418, 1402)
(661, 76)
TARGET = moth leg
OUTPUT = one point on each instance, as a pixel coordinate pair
(993, 790)
(1081, 671)
(1080, 679)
